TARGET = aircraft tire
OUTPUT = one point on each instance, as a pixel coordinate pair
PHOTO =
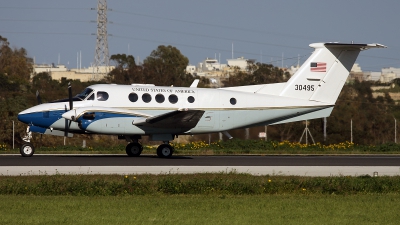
(134, 149)
(165, 151)
(27, 150)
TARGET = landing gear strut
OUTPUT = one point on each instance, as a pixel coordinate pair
(27, 149)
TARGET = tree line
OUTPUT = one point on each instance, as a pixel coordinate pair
(372, 118)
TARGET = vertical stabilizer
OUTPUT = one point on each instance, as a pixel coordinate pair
(322, 76)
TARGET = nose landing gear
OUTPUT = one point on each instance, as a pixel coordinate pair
(27, 149)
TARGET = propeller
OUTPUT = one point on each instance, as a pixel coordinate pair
(39, 99)
(68, 123)
(70, 96)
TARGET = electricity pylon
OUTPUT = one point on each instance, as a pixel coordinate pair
(101, 56)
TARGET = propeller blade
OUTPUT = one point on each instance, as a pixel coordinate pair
(70, 96)
(66, 127)
(39, 99)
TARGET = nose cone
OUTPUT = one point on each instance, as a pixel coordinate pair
(26, 116)
(23, 118)
(40, 115)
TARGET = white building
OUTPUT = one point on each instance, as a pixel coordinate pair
(356, 68)
(389, 70)
(209, 65)
(39, 68)
(191, 69)
(372, 76)
(241, 62)
(61, 71)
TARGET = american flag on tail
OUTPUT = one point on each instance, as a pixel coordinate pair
(318, 67)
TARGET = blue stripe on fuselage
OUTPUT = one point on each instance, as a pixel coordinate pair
(41, 119)
(84, 123)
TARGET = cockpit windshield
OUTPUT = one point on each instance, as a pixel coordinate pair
(84, 93)
(78, 97)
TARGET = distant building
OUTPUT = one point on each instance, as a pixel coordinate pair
(389, 74)
(372, 76)
(356, 73)
(241, 63)
(190, 69)
(389, 70)
(356, 68)
(293, 69)
(210, 65)
(57, 72)
(39, 68)
(387, 78)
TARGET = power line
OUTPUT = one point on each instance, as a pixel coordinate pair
(213, 25)
(213, 37)
(170, 19)
(40, 8)
(45, 20)
(194, 46)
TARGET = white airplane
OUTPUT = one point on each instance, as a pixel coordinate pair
(163, 112)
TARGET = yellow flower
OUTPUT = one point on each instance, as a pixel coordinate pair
(126, 177)
(269, 180)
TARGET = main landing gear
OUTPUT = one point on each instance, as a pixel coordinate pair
(134, 149)
(165, 150)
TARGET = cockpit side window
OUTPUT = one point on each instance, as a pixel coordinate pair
(102, 96)
(91, 97)
(84, 93)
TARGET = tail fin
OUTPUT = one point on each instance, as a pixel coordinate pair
(322, 76)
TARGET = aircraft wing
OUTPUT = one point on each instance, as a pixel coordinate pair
(185, 119)
(181, 118)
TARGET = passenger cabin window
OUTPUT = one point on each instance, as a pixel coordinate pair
(190, 99)
(102, 96)
(173, 99)
(146, 97)
(160, 98)
(133, 97)
(233, 101)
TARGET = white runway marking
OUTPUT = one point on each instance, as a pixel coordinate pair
(311, 171)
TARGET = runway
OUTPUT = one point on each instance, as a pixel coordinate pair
(300, 165)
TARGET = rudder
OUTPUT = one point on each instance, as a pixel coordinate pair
(322, 76)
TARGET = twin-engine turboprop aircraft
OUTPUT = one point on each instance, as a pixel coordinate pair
(162, 113)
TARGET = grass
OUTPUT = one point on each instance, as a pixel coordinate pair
(194, 209)
(222, 198)
(219, 184)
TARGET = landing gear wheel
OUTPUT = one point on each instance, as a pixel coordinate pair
(134, 149)
(27, 150)
(165, 151)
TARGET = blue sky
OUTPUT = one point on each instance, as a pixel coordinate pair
(259, 29)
